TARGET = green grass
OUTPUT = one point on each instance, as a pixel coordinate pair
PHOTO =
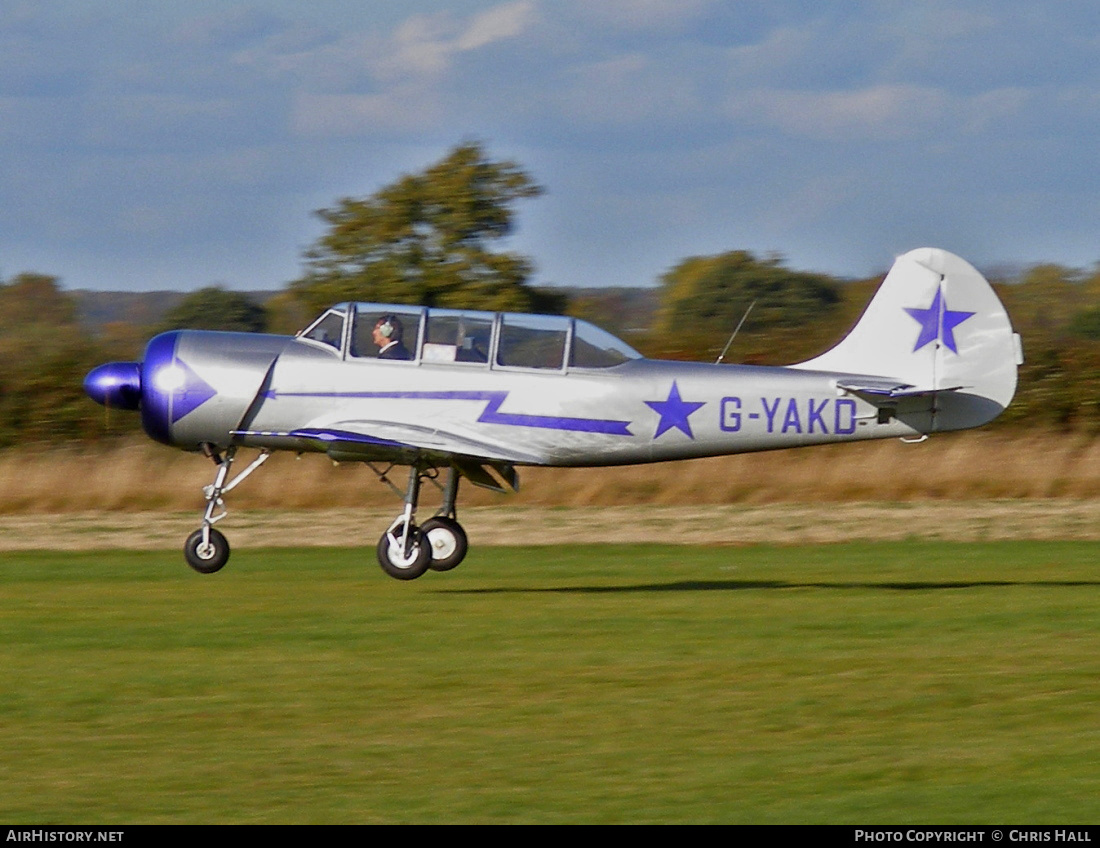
(861, 684)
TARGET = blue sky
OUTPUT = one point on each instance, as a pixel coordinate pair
(164, 145)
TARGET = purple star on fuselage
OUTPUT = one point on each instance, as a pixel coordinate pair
(674, 412)
(937, 322)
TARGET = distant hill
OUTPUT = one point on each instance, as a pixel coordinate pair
(142, 309)
(615, 309)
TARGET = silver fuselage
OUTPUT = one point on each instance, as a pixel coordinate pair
(478, 393)
(638, 411)
(934, 351)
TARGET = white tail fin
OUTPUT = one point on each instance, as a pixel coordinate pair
(935, 325)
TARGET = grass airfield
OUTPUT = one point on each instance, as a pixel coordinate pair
(915, 682)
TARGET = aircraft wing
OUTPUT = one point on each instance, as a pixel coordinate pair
(482, 463)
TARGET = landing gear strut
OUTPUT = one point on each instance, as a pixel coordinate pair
(445, 534)
(405, 550)
(207, 550)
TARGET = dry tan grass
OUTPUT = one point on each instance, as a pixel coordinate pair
(803, 524)
(967, 466)
(965, 486)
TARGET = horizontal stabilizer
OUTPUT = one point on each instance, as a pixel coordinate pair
(877, 390)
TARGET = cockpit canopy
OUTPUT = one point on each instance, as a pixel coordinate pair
(472, 338)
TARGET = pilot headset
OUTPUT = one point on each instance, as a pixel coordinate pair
(388, 326)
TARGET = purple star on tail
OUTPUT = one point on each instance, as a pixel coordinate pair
(937, 322)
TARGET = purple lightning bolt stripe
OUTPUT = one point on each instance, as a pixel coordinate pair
(491, 414)
(339, 436)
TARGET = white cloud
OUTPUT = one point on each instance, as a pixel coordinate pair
(404, 109)
(422, 45)
(782, 50)
(230, 29)
(983, 111)
(880, 112)
(109, 107)
(642, 14)
(497, 24)
(428, 44)
(397, 82)
(630, 88)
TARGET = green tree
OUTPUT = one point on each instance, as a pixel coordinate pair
(1086, 324)
(705, 297)
(426, 239)
(31, 298)
(215, 308)
(44, 355)
(1044, 298)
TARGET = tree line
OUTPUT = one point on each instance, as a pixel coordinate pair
(432, 238)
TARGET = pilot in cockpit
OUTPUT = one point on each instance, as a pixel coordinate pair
(387, 335)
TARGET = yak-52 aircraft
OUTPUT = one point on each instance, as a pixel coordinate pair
(456, 393)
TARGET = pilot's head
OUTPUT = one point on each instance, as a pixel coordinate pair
(387, 329)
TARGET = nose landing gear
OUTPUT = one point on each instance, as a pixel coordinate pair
(207, 550)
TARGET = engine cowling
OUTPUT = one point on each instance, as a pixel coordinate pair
(192, 387)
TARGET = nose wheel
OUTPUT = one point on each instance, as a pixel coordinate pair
(206, 555)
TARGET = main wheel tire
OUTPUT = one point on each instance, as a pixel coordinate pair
(407, 564)
(447, 541)
(208, 558)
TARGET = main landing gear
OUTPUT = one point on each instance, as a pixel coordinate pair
(405, 550)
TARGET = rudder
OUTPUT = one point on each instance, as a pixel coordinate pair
(936, 325)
